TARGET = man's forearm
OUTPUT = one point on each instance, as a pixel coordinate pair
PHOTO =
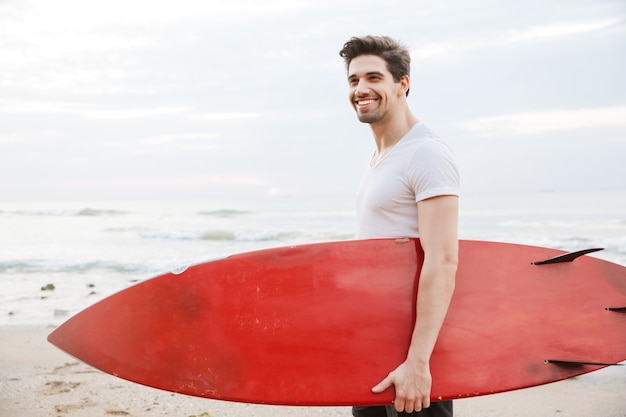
(435, 290)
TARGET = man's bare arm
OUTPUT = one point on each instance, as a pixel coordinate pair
(438, 221)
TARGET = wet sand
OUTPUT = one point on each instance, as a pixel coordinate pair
(37, 380)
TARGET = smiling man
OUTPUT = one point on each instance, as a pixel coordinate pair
(410, 189)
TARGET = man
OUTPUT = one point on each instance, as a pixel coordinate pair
(410, 189)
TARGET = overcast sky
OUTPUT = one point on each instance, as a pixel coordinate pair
(202, 98)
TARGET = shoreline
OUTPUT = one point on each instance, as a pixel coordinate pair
(37, 380)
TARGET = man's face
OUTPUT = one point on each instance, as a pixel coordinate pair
(373, 90)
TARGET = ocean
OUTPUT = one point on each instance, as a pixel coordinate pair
(59, 257)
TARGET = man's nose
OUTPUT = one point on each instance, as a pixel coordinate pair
(361, 88)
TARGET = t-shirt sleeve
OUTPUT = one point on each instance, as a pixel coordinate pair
(433, 171)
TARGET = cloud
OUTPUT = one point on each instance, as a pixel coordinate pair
(547, 32)
(177, 142)
(183, 137)
(436, 50)
(27, 138)
(560, 30)
(533, 122)
(173, 184)
(55, 107)
(130, 113)
(226, 116)
(193, 92)
(79, 109)
(84, 15)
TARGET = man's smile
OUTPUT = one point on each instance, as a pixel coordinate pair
(363, 102)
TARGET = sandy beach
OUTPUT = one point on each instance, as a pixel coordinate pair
(37, 380)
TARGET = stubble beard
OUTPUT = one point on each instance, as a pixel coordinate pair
(374, 115)
(371, 117)
(367, 118)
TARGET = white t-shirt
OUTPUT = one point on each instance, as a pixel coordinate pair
(418, 167)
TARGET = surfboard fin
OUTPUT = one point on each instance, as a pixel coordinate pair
(580, 363)
(618, 309)
(567, 257)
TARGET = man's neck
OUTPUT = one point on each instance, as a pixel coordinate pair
(388, 132)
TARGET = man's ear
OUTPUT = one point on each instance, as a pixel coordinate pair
(405, 85)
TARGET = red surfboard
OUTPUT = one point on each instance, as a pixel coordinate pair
(320, 324)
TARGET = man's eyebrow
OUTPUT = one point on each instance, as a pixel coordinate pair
(367, 73)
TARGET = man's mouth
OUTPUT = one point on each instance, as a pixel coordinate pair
(361, 102)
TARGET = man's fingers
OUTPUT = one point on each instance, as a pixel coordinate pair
(403, 403)
(383, 385)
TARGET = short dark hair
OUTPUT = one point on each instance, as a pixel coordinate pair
(395, 54)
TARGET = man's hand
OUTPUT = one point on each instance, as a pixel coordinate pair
(412, 383)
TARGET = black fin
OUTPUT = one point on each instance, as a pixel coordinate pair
(580, 363)
(567, 257)
(618, 309)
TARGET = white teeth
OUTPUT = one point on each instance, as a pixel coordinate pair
(364, 102)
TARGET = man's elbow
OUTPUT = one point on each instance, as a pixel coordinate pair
(449, 265)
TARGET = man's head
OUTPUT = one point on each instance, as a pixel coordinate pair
(396, 55)
(378, 78)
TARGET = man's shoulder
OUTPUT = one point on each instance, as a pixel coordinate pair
(421, 133)
(422, 137)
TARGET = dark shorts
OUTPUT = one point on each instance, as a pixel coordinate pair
(438, 409)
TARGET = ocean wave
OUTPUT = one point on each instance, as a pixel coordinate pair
(36, 266)
(614, 248)
(124, 229)
(563, 224)
(100, 212)
(225, 213)
(216, 234)
(285, 236)
(617, 246)
(87, 211)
